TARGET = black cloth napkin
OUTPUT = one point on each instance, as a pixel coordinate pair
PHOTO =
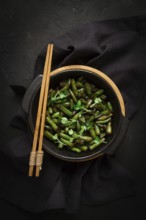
(116, 47)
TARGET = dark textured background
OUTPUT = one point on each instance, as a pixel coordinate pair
(25, 27)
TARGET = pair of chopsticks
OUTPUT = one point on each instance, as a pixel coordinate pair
(36, 156)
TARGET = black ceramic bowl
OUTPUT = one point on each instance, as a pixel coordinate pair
(99, 79)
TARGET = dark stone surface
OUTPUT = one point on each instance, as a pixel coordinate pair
(25, 27)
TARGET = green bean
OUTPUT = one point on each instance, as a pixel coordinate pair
(60, 101)
(75, 149)
(72, 126)
(83, 148)
(102, 135)
(88, 88)
(74, 88)
(97, 113)
(97, 129)
(48, 135)
(103, 96)
(98, 93)
(66, 142)
(104, 107)
(78, 126)
(50, 110)
(56, 114)
(88, 103)
(92, 132)
(66, 86)
(104, 121)
(76, 116)
(65, 110)
(53, 125)
(86, 138)
(104, 117)
(66, 104)
(82, 119)
(92, 147)
(73, 95)
(65, 136)
(105, 112)
(110, 107)
(109, 128)
(55, 120)
(71, 104)
(47, 127)
(81, 92)
(75, 135)
(91, 118)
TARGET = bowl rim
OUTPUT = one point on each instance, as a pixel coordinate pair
(119, 98)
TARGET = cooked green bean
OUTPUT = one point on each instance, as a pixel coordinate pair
(55, 120)
(55, 115)
(75, 149)
(104, 117)
(66, 86)
(53, 125)
(105, 112)
(73, 95)
(71, 104)
(92, 132)
(86, 138)
(92, 147)
(66, 142)
(48, 135)
(65, 110)
(78, 126)
(78, 116)
(98, 93)
(103, 96)
(66, 104)
(47, 127)
(109, 128)
(110, 107)
(91, 118)
(74, 88)
(88, 89)
(50, 110)
(88, 103)
(97, 130)
(104, 121)
(102, 135)
(83, 148)
(65, 136)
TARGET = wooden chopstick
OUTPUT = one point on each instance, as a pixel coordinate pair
(39, 156)
(32, 160)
